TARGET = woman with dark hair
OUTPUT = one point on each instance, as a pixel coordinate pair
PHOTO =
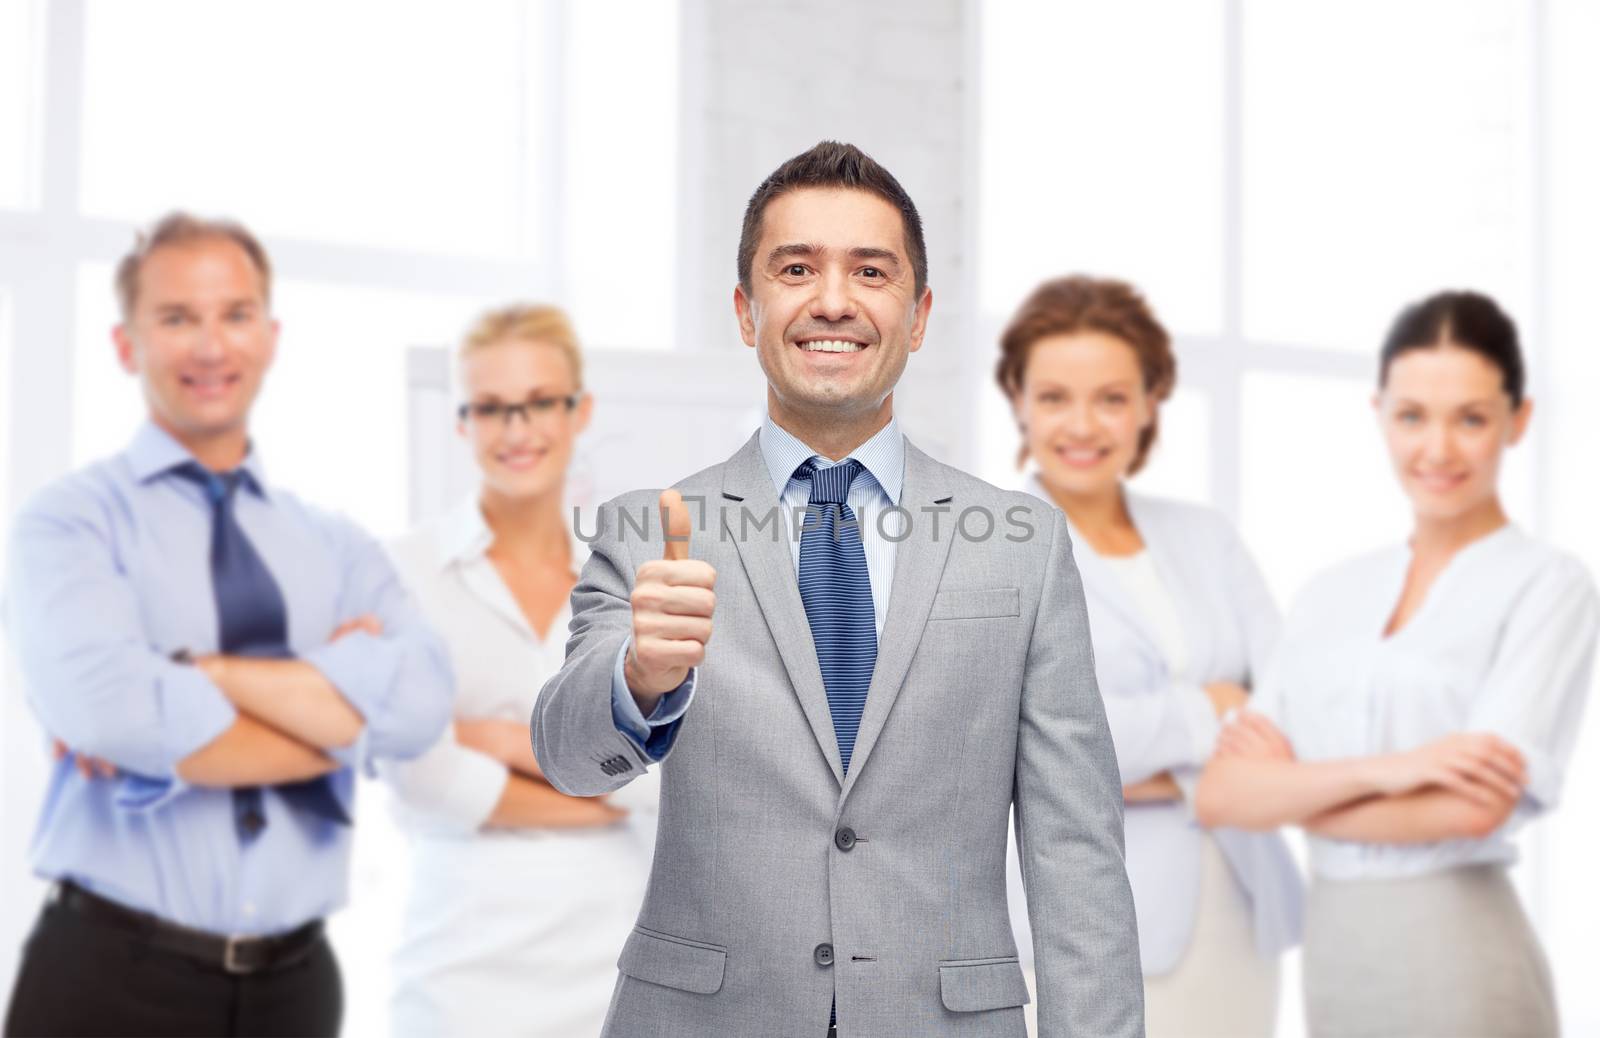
(1181, 623)
(1421, 707)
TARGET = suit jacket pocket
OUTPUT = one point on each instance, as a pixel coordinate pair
(972, 985)
(674, 962)
(973, 605)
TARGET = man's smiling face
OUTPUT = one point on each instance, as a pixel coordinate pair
(832, 309)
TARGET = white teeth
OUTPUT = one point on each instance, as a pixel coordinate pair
(831, 346)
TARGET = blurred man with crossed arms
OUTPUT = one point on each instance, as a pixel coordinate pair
(215, 660)
(839, 765)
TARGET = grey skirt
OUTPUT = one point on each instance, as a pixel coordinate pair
(1445, 955)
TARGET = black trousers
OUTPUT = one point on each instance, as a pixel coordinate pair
(82, 976)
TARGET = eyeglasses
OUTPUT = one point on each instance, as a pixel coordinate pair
(536, 409)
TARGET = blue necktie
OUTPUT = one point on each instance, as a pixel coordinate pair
(838, 597)
(252, 620)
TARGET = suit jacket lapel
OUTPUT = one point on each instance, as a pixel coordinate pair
(769, 566)
(918, 564)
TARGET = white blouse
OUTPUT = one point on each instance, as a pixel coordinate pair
(1504, 642)
(1139, 577)
(500, 664)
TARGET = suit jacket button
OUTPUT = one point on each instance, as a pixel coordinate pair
(845, 838)
(823, 954)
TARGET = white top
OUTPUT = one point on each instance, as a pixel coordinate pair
(1138, 575)
(1190, 609)
(500, 664)
(1503, 643)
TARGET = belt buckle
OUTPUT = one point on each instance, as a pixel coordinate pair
(230, 959)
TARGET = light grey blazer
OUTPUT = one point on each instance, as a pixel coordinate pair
(1161, 722)
(983, 696)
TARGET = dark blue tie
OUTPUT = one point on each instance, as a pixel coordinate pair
(838, 597)
(252, 620)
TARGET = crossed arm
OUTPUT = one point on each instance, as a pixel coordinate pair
(1462, 786)
(528, 801)
(1160, 787)
(379, 687)
(288, 715)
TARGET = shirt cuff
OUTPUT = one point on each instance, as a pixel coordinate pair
(362, 668)
(653, 735)
(194, 714)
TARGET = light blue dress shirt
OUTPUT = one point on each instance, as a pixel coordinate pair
(110, 575)
(873, 494)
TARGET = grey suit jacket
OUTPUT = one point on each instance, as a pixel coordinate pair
(781, 885)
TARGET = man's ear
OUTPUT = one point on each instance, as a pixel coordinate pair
(919, 319)
(742, 310)
(127, 354)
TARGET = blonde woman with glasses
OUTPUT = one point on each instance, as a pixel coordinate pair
(521, 897)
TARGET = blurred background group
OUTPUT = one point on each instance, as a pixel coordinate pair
(1277, 176)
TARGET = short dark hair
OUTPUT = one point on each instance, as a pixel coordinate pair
(833, 164)
(1470, 320)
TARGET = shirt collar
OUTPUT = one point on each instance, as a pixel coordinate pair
(883, 456)
(465, 537)
(155, 452)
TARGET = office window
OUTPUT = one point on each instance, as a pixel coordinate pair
(1317, 483)
(391, 125)
(1180, 462)
(1386, 154)
(621, 174)
(1567, 381)
(21, 49)
(1102, 151)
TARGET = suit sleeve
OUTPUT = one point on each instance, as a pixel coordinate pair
(1069, 823)
(577, 738)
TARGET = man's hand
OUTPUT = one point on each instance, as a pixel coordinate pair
(672, 603)
(1227, 695)
(88, 767)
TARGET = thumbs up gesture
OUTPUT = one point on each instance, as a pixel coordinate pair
(672, 602)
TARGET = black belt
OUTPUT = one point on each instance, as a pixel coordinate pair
(240, 955)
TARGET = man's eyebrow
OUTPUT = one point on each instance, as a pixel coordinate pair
(865, 252)
(793, 249)
(861, 252)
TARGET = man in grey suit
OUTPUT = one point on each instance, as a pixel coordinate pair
(838, 770)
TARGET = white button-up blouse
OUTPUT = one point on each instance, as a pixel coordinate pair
(500, 663)
(1503, 643)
